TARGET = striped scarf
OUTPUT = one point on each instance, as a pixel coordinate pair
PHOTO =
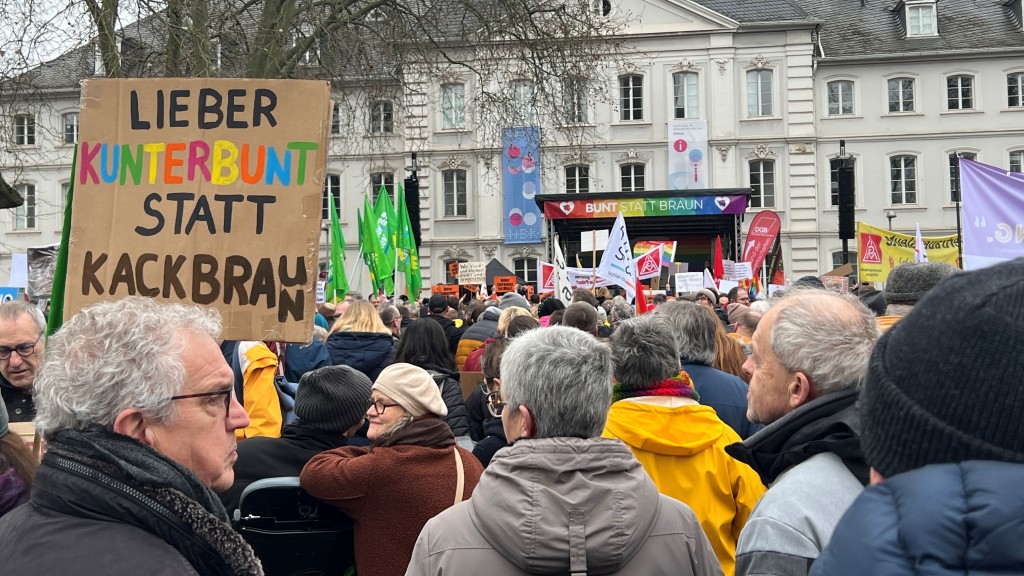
(679, 385)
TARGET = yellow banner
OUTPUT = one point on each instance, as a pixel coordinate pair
(879, 251)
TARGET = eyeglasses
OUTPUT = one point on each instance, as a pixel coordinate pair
(495, 405)
(23, 350)
(226, 393)
(378, 405)
(703, 298)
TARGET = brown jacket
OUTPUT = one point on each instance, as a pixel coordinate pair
(390, 491)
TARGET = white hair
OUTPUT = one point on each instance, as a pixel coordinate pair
(693, 325)
(116, 355)
(15, 308)
(563, 376)
(826, 335)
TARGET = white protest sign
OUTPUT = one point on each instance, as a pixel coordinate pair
(773, 288)
(472, 273)
(743, 271)
(592, 240)
(321, 292)
(729, 269)
(689, 282)
(725, 285)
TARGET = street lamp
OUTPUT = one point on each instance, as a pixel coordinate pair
(890, 214)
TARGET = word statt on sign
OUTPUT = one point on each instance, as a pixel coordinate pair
(203, 191)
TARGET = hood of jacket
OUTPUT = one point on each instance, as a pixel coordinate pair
(367, 352)
(536, 493)
(484, 328)
(656, 429)
(827, 424)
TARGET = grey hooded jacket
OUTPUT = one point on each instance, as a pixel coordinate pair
(565, 506)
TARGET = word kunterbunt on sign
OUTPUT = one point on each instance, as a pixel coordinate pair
(634, 207)
(204, 191)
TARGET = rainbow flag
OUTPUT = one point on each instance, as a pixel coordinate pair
(668, 250)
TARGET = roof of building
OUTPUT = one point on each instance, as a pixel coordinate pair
(873, 27)
(746, 11)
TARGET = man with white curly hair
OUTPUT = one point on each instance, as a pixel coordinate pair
(135, 401)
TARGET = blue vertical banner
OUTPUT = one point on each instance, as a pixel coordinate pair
(520, 180)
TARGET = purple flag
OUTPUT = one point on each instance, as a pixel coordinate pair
(993, 214)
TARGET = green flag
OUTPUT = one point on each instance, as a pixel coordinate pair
(370, 247)
(408, 259)
(60, 275)
(384, 232)
(337, 282)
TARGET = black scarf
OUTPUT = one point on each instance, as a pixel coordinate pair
(429, 431)
(212, 547)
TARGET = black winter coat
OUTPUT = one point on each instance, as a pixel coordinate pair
(452, 332)
(368, 352)
(451, 392)
(261, 457)
(945, 519)
(492, 442)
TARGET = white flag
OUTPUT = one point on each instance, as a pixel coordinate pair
(920, 253)
(617, 261)
(562, 286)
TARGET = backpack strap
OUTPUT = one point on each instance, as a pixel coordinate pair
(460, 482)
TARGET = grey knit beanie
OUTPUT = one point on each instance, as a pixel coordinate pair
(510, 299)
(944, 384)
(908, 282)
(332, 398)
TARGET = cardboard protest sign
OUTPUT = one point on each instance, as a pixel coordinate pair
(204, 191)
(504, 284)
(472, 273)
(446, 289)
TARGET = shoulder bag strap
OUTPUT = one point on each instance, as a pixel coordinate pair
(460, 483)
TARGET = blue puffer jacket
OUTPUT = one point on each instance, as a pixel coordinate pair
(368, 352)
(965, 519)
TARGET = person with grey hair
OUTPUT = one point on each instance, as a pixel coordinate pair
(620, 311)
(22, 326)
(582, 316)
(135, 401)
(680, 443)
(694, 326)
(908, 283)
(562, 499)
(810, 352)
(391, 318)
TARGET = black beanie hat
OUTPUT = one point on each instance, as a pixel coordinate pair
(332, 398)
(944, 384)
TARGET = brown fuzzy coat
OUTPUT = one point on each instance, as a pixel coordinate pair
(391, 491)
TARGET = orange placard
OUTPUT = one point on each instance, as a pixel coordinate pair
(504, 284)
(453, 269)
(446, 289)
(529, 291)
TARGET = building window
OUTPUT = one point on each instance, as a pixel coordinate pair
(837, 261)
(312, 55)
(449, 265)
(921, 20)
(71, 127)
(454, 192)
(833, 170)
(453, 106)
(632, 177)
(1015, 90)
(574, 100)
(336, 119)
(684, 95)
(62, 199)
(759, 93)
(762, 181)
(903, 179)
(526, 268)
(522, 102)
(1017, 161)
(960, 92)
(25, 215)
(901, 95)
(631, 97)
(332, 185)
(840, 98)
(601, 7)
(954, 173)
(380, 180)
(577, 179)
(382, 117)
(25, 130)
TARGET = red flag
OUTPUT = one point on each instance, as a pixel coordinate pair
(641, 299)
(719, 270)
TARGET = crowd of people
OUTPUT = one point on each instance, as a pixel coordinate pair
(813, 432)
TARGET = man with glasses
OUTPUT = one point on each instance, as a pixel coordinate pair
(21, 350)
(562, 499)
(135, 401)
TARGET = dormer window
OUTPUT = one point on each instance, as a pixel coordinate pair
(922, 19)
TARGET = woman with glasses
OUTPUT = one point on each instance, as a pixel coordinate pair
(423, 344)
(412, 470)
(494, 434)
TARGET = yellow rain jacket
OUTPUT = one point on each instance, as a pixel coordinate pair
(683, 450)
